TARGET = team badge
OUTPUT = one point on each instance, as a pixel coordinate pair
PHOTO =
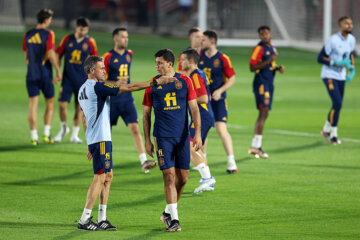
(201, 62)
(216, 63)
(85, 46)
(116, 60)
(128, 58)
(267, 101)
(71, 44)
(178, 84)
(267, 52)
(107, 164)
(161, 161)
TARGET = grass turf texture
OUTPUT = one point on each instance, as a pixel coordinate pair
(307, 189)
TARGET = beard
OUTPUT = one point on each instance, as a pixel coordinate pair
(348, 31)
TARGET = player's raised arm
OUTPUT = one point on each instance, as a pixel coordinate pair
(142, 85)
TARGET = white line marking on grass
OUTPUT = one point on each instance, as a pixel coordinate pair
(291, 133)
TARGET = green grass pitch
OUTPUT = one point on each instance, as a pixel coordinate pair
(307, 189)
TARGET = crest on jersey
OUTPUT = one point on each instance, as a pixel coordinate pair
(128, 58)
(85, 46)
(216, 63)
(71, 44)
(178, 84)
(161, 161)
(201, 62)
(267, 52)
(116, 60)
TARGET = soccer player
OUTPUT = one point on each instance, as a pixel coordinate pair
(263, 63)
(171, 132)
(94, 101)
(38, 45)
(220, 73)
(76, 48)
(195, 36)
(337, 56)
(117, 64)
(189, 60)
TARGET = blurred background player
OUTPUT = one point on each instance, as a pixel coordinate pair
(76, 48)
(117, 65)
(94, 101)
(263, 63)
(171, 104)
(195, 36)
(337, 56)
(189, 60)
(38, 45)
(221, 75)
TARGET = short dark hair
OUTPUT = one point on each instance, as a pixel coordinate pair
(211, 34)
(342, 19)
(192, 54)
(193, 30)
(117, 30)
(167, 54)
(263, 27)
(82, 22)
(44, 14)
(90, 62)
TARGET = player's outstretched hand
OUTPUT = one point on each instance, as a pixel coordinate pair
(197, 142)
(89, 156)
(216, 95)
(281, 69)
(165, 80)
(122, 81)
(149, 147)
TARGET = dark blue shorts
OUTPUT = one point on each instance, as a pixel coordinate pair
(205, 128)
(126, 110)
(46, 86)
(220, 110)
(173, 152)
(67, 90)
(102, 157)
(263, 95)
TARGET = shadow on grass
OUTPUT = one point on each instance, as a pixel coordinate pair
(140, 202)
(297, 147)
(34, 225)
(39, 181)
(329, 166)
(73, 234)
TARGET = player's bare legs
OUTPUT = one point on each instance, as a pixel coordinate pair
(181, 179)
(169, 185)
(32, 118)
(94, 190)
(135, 132)
(103, 199)
(63, 111)
(199, 160)
(32, 114)
(257, 139)
(227, 143)
(48, 117)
